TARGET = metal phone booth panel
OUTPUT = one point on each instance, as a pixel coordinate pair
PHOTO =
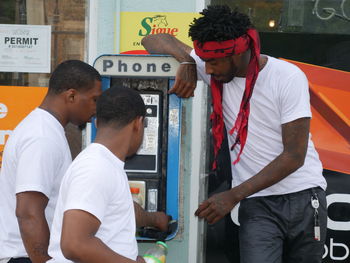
(154, 170)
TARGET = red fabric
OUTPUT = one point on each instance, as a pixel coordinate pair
(135, 52)
(214, 49)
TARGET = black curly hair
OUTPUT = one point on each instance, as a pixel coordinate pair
(219, 23)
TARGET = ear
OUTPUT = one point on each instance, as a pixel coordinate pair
(70, 95)
(138, 123)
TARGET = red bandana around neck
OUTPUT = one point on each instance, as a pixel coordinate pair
(213, 49)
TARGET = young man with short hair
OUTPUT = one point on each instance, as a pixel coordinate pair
(94, 220)
(35, 159)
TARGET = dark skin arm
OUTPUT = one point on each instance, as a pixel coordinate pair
(158, 220)
(79, 243)
(186, 76)
(295, 136)
(35, 233)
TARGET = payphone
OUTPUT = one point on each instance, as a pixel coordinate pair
(147, 163)
(154, 169)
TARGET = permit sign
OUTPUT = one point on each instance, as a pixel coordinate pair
(141, 66)
(25, 48)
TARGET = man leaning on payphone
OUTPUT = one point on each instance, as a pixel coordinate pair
(277, 174)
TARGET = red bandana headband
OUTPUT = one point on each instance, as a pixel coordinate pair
(213, 49)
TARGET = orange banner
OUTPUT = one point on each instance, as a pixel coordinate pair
(15, 104)
(330, 124)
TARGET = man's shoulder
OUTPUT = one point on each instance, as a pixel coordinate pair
(90, 166)
(283, 66)
(39, 125)
(37, 122)
(94, 158)
(27, 122)
(26, 140)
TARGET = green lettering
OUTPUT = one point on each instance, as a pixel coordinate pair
(146, 26)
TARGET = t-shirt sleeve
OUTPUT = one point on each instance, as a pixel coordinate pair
(295, 98)
(89, 189)
(38, 164)
(200, 68)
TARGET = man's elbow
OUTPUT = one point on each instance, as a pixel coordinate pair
(153, 37)
(71, 249)
(147, 41)
(24, 213)
(153, 43)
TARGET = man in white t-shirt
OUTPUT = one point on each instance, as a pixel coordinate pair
(276, 171)
(94, 220)
(35, 158)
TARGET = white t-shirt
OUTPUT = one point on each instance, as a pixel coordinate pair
(281, 95)
(97, 183)
(35, 158)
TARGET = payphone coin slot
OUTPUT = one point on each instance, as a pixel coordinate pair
(152, 201)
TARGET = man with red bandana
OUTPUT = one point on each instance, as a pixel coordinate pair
(264, 105)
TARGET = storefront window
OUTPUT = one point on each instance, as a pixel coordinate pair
(311, 31)
(67, 20)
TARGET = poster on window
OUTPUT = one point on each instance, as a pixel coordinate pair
(136, 25)
(25, 48)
